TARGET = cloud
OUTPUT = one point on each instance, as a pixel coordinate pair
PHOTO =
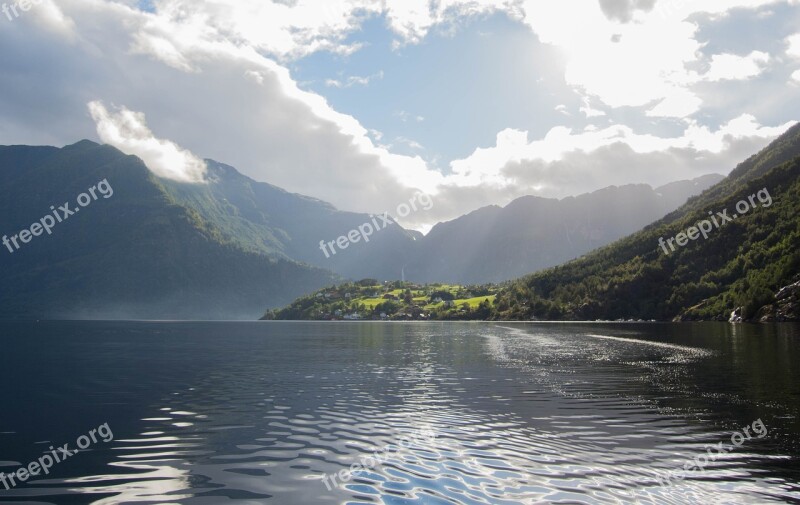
(161, 49)
(619, 164)
(623, 10)
(683, 101)
(794, 46)
(407, 116)
(412, 20)
(646, 62)
(49, 16)
(796, 75)
(680, 103)
(733, 67)
(214, 77)
(127, 131)
(291, 30)
(588, 110)
(353, 80)
(563, 160)
(411, 144)
(282, 29)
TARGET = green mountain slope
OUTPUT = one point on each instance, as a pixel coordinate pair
(495, 244)
(269, 220)
(138, 254)
(390, 301)
(489, 245)
(743, 264)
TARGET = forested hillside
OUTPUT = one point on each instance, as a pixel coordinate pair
(742, 265)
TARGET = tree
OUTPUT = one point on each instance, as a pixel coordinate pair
(444, 295)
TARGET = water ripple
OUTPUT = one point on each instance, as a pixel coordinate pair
(462, 414)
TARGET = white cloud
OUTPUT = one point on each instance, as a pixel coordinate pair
(413, 19)
(794, 46)
(412, 144)
(796, 75)
(289, 30)
(199, 71)
(624, 10)
(645, 64)
(513, 148)
(589, 111)
(679, 103)
(219, 98)
(353, 80)
(282, 29)
(405, 116)
(127, 131)
(681, 9)
(639, 63)
(733, 67)
(161, 49)
(49, 16)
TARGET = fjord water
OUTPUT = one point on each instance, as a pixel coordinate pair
(208, 413)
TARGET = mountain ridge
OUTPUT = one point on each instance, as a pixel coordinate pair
(134, 255)
(517, 239)
(740, 267)
(228, 248)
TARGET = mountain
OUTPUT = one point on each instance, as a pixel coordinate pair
(495, 244)
(134, 250)
(268, 220)
(747, 268)
(231, 247)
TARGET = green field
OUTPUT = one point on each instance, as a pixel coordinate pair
(350, 298)
(422, 301)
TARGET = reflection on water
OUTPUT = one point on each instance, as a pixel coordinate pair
(259, 413)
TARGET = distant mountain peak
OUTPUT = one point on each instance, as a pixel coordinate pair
(83, 144)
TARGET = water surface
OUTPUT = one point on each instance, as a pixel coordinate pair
(473, 413)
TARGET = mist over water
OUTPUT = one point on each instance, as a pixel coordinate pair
(208, 413)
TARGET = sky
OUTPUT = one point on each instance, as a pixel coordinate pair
(363, 103)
